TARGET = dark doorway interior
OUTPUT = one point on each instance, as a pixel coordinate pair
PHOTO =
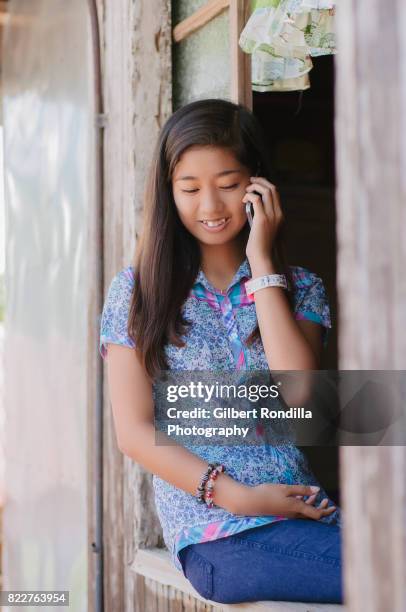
(299, 127)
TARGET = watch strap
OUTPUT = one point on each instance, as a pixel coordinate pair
(268, 280)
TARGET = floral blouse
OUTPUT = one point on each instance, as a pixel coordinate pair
(214, 341)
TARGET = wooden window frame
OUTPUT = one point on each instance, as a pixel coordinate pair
(240, 62)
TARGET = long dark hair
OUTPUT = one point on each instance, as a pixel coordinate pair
(167, 258)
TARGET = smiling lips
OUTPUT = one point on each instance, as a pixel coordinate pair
(216, 225)
(215, 222)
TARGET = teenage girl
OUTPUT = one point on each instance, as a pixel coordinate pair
(261, 529)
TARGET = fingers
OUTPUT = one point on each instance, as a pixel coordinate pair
(265, 197)
(311, 499)
(257, 203)
(263, 181)
(255, 199)
(306, 508)
(301, 490)
(317, 513)
(269, 195)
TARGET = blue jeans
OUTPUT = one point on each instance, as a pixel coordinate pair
(289, 560)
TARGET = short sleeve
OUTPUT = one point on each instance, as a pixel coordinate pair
(114, 317)
(310, 300)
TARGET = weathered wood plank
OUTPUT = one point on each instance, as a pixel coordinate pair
(139, 593)
(175, 600)
(136, 60)
(163, 598)
(371, 217)
(199, 19)
(241, 87)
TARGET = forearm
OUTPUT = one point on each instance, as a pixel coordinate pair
(182, 468)
(285, 346)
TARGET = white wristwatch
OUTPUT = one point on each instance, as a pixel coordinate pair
(269, 280)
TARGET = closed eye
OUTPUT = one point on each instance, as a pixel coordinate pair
(226, 187)
(230, 186)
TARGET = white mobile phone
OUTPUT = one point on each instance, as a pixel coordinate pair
(249, 209)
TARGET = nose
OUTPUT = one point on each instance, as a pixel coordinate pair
(211, 205)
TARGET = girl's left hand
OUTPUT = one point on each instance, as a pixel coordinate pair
(267, 219)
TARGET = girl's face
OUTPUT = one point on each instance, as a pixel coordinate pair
(208, 187)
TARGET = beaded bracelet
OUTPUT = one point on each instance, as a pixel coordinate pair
(201, 489)
(208, 495)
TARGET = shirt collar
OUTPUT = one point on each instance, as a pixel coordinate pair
(244, 271)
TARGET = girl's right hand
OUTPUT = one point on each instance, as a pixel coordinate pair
(286, 500)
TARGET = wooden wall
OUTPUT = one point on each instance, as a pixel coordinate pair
(371, 220)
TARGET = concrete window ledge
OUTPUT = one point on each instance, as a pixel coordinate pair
(155, 564)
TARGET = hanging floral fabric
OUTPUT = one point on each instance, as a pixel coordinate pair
(282, 36)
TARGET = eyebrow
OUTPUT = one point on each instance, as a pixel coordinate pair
(223, 173)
